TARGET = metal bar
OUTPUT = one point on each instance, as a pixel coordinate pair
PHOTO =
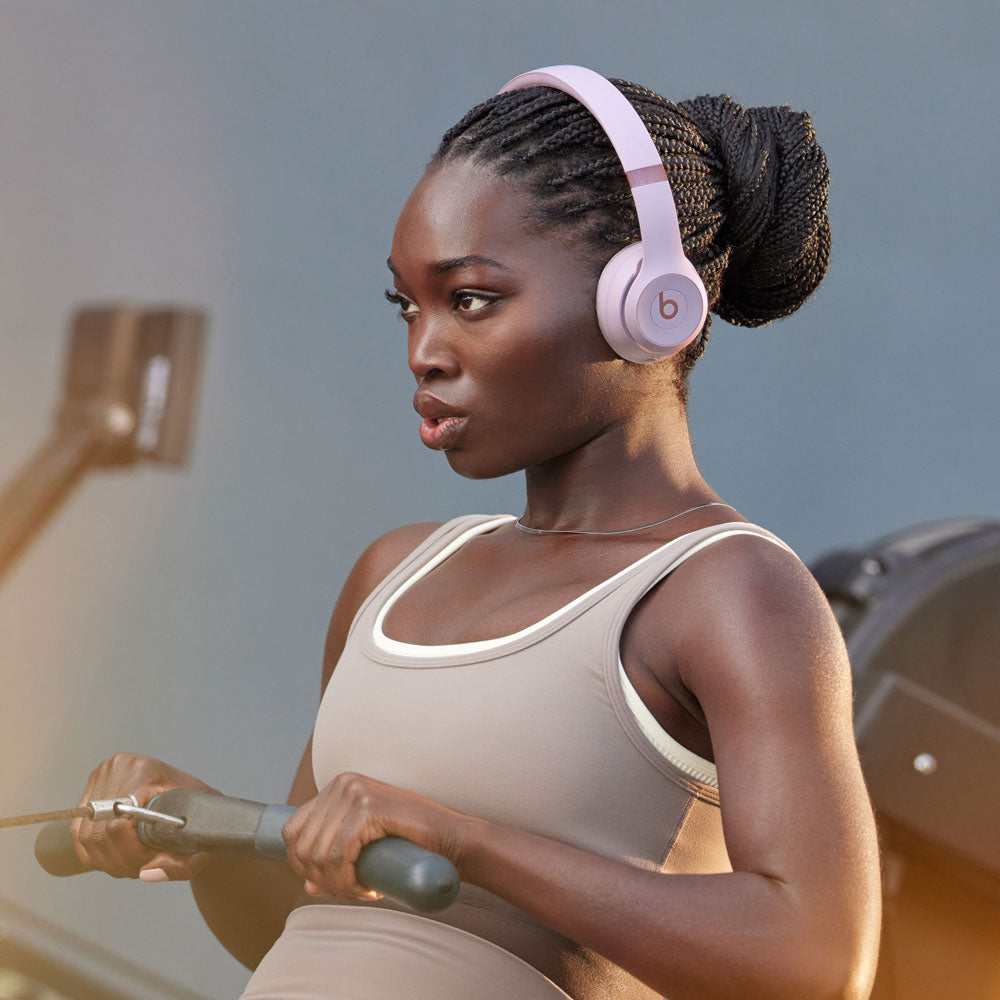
(150, 815)
(74, 966)
(34, 493)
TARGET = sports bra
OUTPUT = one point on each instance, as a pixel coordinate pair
(683, 758)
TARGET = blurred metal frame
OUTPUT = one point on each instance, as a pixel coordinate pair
(69, 964)
(129, 392)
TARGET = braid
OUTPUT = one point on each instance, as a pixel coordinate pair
(749, 185)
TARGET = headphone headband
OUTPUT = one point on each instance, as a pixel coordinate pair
(651, 302)
(640, 159)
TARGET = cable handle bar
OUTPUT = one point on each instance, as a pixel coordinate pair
(397, 868)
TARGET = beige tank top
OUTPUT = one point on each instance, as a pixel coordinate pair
(533, 730)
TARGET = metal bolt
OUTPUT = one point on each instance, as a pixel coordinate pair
(119, 420)
(872, 567)
(925, 763)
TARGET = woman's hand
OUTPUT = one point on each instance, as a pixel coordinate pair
(326, 835)
(113, 846)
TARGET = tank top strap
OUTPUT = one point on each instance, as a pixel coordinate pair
(650, 570)
(428, 549)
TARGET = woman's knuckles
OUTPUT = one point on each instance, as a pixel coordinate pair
(322, 858)
(355, 787)
(303, 858)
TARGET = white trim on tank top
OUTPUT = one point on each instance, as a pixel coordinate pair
(683, 759)
(680, 756)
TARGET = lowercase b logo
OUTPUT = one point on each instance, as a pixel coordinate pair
(668, 307)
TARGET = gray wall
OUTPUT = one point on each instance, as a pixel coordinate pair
(251, 157)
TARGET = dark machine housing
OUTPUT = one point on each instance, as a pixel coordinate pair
(920, 613)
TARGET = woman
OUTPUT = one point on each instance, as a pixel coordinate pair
(626, 715)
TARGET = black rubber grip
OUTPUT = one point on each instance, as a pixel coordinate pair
(408, 873)
(54, 850)
(397, 868)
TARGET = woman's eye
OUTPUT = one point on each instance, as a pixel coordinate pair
(407, 309)
(472, 301)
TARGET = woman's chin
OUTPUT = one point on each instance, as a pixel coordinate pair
(471, 466)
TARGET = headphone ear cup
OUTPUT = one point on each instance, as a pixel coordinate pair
(647, 317)
(612, 290)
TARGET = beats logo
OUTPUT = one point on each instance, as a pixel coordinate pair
(668, 307)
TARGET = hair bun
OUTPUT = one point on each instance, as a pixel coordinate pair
(776, 223)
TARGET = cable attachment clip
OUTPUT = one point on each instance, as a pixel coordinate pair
(128, 806)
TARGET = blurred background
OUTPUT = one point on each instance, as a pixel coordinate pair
(250, 158)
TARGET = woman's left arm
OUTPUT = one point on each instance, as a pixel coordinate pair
(753, 639)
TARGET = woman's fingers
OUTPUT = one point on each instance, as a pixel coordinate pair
(319, 839)
(165, 867)
(326, 835)
(337, 838)
(113, 846)
(310, 837)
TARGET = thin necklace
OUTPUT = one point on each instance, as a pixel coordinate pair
(621, 531)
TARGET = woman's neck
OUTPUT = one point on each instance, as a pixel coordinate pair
(626, 476)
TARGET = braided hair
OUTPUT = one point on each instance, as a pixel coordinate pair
(750, 186)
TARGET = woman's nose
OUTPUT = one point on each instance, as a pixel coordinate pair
(431, 350)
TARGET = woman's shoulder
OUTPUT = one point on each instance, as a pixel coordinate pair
(377, 561)
(387, 551)
(380, 559)
(746, 572)
(745, 599)
(736, 587)
(390, 549)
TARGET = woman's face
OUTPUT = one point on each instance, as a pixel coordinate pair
(512, 370)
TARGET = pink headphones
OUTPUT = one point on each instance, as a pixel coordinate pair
(650, 301)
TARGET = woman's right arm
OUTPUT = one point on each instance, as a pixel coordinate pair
(245, 902)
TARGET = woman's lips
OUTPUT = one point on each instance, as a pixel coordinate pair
(441, 434)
